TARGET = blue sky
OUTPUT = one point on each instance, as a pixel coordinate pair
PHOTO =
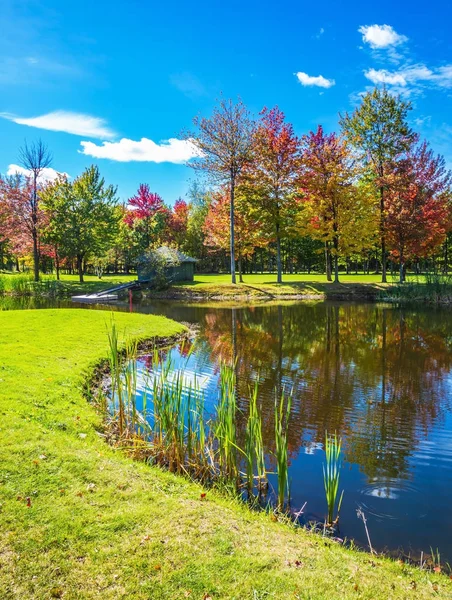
(109, 82)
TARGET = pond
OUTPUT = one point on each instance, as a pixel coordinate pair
(378, 375)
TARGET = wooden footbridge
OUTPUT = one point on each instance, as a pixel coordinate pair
(111, 294)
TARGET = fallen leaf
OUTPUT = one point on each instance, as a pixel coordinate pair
(203, 495)
(207, 597)
(91, 487)
(157, 567)
(28, 502)
(437, 569)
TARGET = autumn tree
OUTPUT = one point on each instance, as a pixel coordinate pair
(178, 222)
(274, 174)
(147, 216)
(379, 132)
(417, 219)
(23, 221)
(34, 158)
(224, 144)
(248, 229)
(331, 201)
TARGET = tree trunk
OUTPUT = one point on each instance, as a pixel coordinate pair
(327, 262)
(383, 236)
(232, 225)
(446, 257)
(80, 267)
(240, 269)
(278, 255)
(336, 259)
(57, 264)
(35, 256)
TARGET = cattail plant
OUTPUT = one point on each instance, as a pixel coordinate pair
(282, 414)
(225, 424)
(254, 446)
(331, 475)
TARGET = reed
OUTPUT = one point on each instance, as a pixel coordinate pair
(282, 414)
(254, 446)
(224, 428)
(331, 475)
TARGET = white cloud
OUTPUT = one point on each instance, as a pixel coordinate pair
(413, 76)
(144, 150)
(48, 174)
(383, 76)
(319, 81)
(381, 36)
(68, 122)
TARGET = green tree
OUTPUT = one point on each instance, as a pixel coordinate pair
(200, 200)
(379, 132)
(83, 213)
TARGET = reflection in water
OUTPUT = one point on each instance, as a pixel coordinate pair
(377, 375)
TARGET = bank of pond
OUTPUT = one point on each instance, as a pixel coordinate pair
(429, 288)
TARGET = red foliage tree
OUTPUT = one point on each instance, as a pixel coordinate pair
(418, 214)
(147, 215)
(274, 173)
(178, 222)
(20, 215)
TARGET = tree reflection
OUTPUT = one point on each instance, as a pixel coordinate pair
(375, 374)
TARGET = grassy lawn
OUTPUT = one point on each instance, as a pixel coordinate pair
(79, 520)
(256, 286)
(265, 285)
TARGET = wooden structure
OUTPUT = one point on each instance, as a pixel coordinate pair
(177, 266)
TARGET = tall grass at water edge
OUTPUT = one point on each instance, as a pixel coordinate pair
(173, 430)
(23, 284)
(331, 476)
(433, 288)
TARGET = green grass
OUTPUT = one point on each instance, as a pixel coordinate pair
(256, 286)
(102, 526)
(265, 286)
